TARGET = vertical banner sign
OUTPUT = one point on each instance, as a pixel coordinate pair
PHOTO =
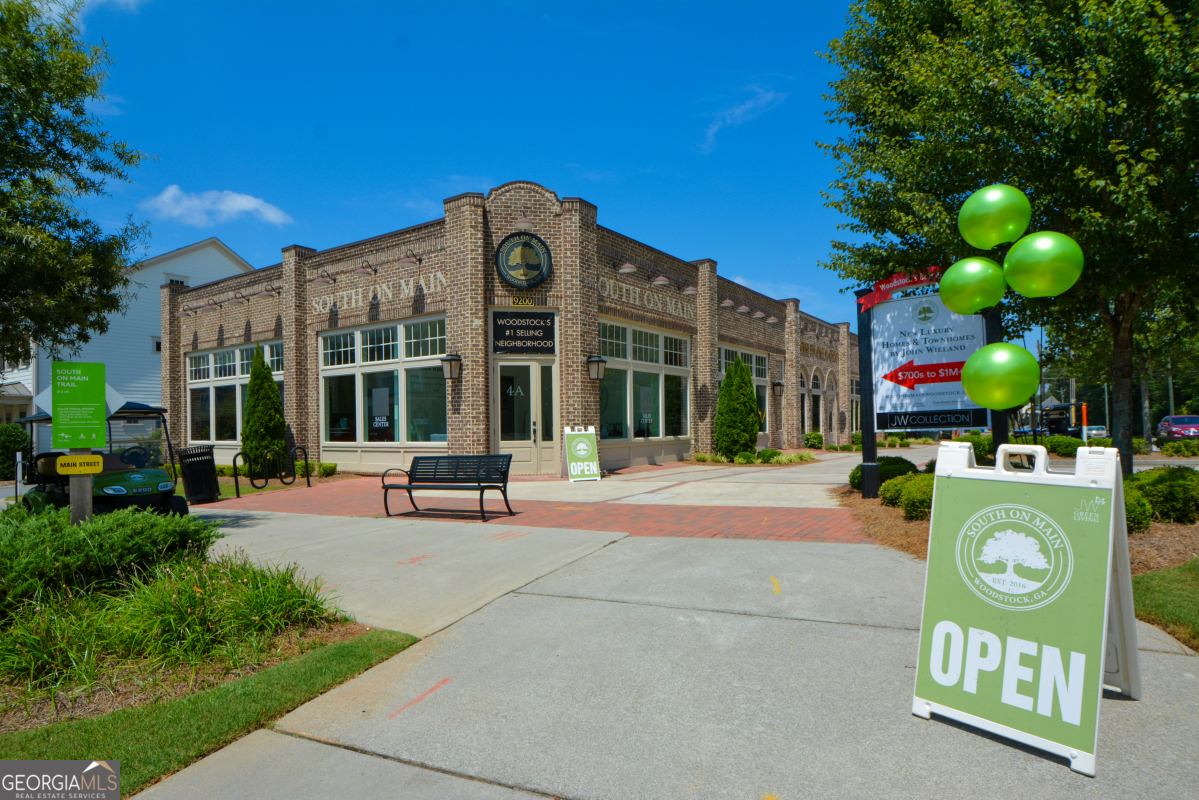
(919, 348)
(1028, 601)
(582, 455)
(78, 400)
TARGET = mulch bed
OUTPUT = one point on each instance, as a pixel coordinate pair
(137, 684)
(1163, 545)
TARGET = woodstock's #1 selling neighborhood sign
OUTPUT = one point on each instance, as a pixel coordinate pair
(1028, 601)
(918, 349)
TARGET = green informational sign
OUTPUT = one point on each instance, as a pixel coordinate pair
(77, 393)
(582, 455)
(1014, 633)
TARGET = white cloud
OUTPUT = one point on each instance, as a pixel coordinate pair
(60, 8)
(203, 208)
(108, 107)
(762, 101)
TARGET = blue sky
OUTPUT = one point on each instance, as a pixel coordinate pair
(691, 126)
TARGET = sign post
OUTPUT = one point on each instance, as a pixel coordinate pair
(582, 454)
(1028, 601)
(80, 423)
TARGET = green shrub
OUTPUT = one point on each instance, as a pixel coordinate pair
(263, 427)
(904, 443)
(924, 440)
(13, 438)
(888, 467)
(700, 458)
(43, 552)
(916, 499)
(1137, 510)
(1092, 442)
(736, 428)
(930, 467)
(856, 438)
(983, 445)
(814, 440)
(1139, 447)
(857, 448)
(745, 458)
(1172, 492)
(795, 458)
(901, 436)
(1064, 446)
(849, 448)
(1186, 447)
(767, 456)
(889, 492)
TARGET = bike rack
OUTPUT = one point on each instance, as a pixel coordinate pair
(266, 471)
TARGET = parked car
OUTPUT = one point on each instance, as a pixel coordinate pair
(1179, 427)
(1096, 432)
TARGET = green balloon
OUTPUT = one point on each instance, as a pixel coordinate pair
(971, 285)
(1001, 376)
(994, 215)
(1043, 264)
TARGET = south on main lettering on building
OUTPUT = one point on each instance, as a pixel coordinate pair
(1014, 631)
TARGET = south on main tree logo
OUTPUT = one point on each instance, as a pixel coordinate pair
(1014, 557)
(582, 448)
(1088, 510)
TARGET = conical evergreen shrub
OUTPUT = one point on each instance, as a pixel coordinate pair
(736, 413)
(263, 426)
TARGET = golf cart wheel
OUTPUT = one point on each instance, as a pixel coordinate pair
(178, 505)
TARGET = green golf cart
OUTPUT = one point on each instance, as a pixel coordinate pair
(134, 473)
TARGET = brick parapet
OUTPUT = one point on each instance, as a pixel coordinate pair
(469, 414)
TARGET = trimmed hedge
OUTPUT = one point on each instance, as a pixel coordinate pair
(1187, 447)
(13, 438)
(888, 467)
(767, 456)
(889, 493)
(1172, 492)
(916, 500)
(40, 552)
(814, 440)
(745, 458)
(1137, 511)
(856, 438)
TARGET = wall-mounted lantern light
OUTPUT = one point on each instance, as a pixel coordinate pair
(366, 269)
(626, 269)
(742, 309)
(689, 289)
(410, 260)
(211, 305)
(759, 314)
(595, 367)
(324, 278)
(270, 291)
(238, 299)
(772, 320)
(186, 311)
(727, 303)
(524, 224)
(451, 367)
(777, 388)
(661, 280)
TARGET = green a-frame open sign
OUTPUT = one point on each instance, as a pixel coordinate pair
(1028, 599)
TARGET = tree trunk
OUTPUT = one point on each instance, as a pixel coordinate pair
(1122, 393)
(1146, 422)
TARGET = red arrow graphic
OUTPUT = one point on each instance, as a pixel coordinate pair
(909, 374)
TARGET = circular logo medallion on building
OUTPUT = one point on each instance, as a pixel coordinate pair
(582, 448)
(1014, 557)
(523, 260)
(925, 312)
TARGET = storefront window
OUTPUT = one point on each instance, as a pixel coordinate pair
(675, 395)
(274, 356)
(338, 350)
(197, 368)
(247, 359)
(200, 416)
(426, 405)
(226, 413)
(381, 399)
(760, 367)
(341, 413)
(646, 422)
(614, 404)
(380, 345)
(224, 364)
(674, 352)
(613, 341)
(760, 392)
(645, 346)
(424, 339)
(815, 408)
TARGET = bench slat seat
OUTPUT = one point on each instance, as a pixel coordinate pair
(451, 473)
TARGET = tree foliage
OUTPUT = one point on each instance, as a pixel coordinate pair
(61, 275)
(1090, 108)
(736, 428)
(263, 427)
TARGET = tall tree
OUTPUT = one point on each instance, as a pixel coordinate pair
(263, 426)
(735, 429)
(61, 275)
(1090, 107)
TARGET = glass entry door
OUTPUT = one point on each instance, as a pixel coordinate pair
(525, 415)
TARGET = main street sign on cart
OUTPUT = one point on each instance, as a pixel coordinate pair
(80, 416)
(918, 348)
(1028, 601)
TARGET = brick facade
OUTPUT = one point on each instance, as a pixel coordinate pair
(446, 268)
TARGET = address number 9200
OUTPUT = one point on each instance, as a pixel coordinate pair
(522, 300)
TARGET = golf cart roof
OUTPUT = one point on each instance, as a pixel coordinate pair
(131, 410)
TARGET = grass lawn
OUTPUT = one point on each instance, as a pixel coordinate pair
(157, 739)
(1169, 598)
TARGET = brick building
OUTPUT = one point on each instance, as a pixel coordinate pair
(356, 335)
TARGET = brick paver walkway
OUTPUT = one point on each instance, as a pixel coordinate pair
(364, 498)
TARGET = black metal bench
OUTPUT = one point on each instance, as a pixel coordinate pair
(453, 473)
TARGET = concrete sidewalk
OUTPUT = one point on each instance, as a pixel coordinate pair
(679, 668)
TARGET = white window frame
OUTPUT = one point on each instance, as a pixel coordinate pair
(631, 365)
(400, 364)
(240, 379)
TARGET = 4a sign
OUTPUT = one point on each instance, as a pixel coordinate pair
(1028, 600)
(78, 397)
(582, 455)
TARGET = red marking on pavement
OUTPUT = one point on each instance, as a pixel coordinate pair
(440, 683)
(507, 536)
(414, 560)
(909, 374)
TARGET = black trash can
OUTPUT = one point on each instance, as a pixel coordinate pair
(197, 467)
